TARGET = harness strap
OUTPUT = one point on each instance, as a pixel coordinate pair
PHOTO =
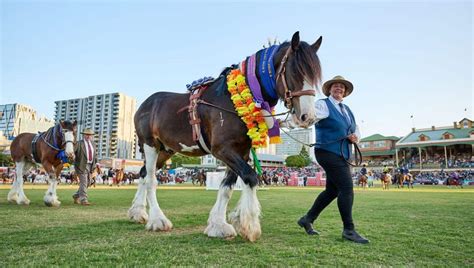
(34, 152)
(194, 120)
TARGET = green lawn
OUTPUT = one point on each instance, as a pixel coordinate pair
(406, 228)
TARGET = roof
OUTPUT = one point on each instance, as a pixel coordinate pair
(461, 136)
(378, 137)
(377, 153)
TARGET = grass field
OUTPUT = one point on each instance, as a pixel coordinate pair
(431, 226)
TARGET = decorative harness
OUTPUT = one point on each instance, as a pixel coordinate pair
(45, 136)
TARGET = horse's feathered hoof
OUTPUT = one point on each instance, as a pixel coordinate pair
(247, 227)
(12, 197)
(138, 214)
(54, 203)
(221, 230)
(159, 224)
(24, 201)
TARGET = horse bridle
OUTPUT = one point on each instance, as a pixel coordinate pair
(63, 136)
(289, 95)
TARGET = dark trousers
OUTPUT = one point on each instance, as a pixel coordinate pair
(338, 184)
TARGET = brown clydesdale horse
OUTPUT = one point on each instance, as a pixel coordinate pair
(50, 145)
(163, 131)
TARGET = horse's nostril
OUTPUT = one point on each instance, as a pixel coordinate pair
(304, 117)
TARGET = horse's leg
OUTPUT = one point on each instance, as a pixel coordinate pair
(13, 193)
(16, 193)
(246, 216)
(137, 211)
(157, 219)
(50, 198)
(217, 225)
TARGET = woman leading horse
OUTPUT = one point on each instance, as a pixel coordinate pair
(215, 128)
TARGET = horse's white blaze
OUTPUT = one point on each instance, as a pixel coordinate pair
(246, 216)
(156, 220)
(137, 211)
(69, 139)
(50, 198)
(306, 107)
(185, 148)
(216, 224)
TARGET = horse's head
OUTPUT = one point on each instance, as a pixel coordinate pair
(299, 73)
(68, 130)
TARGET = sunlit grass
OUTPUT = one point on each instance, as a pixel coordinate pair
(433, 226)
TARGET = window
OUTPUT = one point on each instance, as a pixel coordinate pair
(379, 144)
(423, 137)
(364, 144)
(447, 136)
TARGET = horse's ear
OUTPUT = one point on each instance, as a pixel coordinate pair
(61, 122)
(295, 41)
(74, 123)
(317, 44)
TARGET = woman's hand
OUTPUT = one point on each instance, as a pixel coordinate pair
(353, 138)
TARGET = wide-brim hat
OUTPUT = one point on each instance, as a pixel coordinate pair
(88, 131)
(338, 79)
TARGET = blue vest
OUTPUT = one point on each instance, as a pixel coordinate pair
(330, 131)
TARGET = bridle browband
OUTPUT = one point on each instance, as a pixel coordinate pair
(289, 95)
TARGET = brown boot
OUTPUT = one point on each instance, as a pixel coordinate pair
(76, 200)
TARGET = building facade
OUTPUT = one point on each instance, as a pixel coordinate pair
(111, 118)
(445, 147)
(378, 150)
(19, 118)
(289, 146)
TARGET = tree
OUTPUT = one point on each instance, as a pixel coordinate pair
(5, 160)
(305, 155)
(178, 160)
(295, 161)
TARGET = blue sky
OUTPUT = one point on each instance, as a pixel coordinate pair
(404, 58)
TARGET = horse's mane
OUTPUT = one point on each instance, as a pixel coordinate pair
(305, 63)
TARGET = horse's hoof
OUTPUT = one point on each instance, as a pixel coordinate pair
(138, 214)
(12, 198)
(221, 230)
(23, 202)
(159, 224)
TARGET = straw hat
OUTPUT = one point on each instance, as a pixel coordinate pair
(88, 131)
(338, 79)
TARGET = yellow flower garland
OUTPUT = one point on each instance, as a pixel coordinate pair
(246, 109)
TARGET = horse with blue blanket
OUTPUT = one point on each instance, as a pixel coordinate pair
(51, 149)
